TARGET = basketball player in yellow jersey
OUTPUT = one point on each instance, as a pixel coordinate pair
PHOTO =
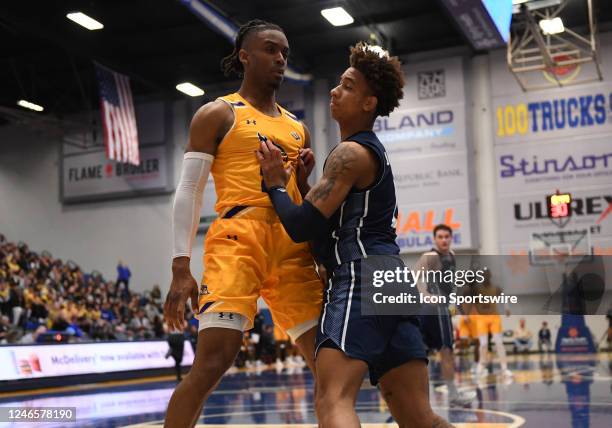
(468, 335)
(487, 320)
(248, 254)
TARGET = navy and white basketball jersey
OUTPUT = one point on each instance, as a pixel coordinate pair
(435, 320)
(365, 222)
(447, 263)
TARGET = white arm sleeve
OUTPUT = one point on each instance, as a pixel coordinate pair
(188, 201)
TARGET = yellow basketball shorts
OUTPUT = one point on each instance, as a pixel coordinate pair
(280, 335)
(486, 324)
(467, 330)
(250, 255)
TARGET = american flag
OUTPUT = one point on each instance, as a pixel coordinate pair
(118, 118)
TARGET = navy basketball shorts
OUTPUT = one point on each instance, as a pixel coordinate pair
(436, 327)
(384, 342)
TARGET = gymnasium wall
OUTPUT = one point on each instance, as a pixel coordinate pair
(551, 139)
(93, 234)
(96, 234)
(137, 230)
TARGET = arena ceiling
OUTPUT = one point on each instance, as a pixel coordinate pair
(159, 43)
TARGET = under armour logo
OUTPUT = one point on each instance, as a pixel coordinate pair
(234, 237)
(251, 122)
(222, 316)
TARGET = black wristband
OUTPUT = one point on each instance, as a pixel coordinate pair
(273, 188)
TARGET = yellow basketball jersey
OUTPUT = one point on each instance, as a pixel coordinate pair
(236, 171)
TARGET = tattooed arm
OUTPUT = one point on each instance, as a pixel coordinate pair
(346, 166)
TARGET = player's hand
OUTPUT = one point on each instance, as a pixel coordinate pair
(272, 165)
(183, 287)
(323, 274)
(307, 160)
(305, 165)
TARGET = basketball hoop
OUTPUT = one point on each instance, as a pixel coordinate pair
(562, 247)
(564, 73)
(544, 61)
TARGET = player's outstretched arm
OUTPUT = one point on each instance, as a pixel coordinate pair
(344, 167)
(208, 127)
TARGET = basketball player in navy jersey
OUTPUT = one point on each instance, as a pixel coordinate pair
(436, 324)
(350, 214)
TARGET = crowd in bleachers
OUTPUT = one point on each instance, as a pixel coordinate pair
(41, 296)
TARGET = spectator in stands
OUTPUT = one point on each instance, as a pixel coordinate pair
(59, 323)
(123, 276)
(256, 335)
(156, 295)
(544, 338)
(16, 304)
(73, 328)
(5, 326)
(32, 336)
(141, 326)
(5, 294)
(37, 309)
(38, 292)
(151, 310)
(102, 330)
(107, 314)
(158, 327)
(267, 344)
(522, 337)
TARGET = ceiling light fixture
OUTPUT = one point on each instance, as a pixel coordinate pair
(190, 89)
(337, 16)
(29, 105)
(85, 21)
(552, 26)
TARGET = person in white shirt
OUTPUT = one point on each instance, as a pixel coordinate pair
(522, 337)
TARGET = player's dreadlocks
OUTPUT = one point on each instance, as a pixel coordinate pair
(231, 64)
(383, 74)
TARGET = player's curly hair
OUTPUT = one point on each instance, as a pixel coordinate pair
(231, 64)
(383, 74)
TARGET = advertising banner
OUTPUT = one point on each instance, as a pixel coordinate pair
(90, 176)
(416, 222)
(547, 141)
(434, 178)
(549, 115)
(547, 166)
(37, 361)
(426, 140)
